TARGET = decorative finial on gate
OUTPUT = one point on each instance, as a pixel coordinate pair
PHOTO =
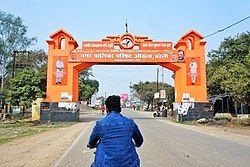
(126, 25)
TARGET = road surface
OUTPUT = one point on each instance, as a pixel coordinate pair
(164, 145)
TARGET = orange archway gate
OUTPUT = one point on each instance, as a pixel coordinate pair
(186, 59)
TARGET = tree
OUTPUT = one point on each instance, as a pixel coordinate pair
(228, 70)
(37, 59)
(34, 59)
(87, 88)
(13, 34)
(85, 74)
(145, 91)
(42, 72)
(25, 87)
(13, 37)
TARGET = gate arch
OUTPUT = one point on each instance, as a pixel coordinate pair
(65, 63)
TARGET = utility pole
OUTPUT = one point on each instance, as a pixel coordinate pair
(14, 64)
(20, 62)
(157, 88)
(28, 58)
(130, 91)
(162, 77)
(157, 82)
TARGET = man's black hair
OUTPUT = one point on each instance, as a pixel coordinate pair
(113, 103)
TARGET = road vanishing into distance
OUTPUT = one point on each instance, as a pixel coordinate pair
(164, 145)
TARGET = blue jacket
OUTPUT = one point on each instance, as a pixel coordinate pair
(113, 136)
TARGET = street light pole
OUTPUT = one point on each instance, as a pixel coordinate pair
(16, 60)
(157, 82)
(14, 64)
(130, 92)
(162, 77)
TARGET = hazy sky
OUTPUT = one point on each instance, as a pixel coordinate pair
(159, 19)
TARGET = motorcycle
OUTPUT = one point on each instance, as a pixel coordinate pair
(157, 113)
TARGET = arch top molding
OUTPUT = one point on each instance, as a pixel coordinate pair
(58, 35)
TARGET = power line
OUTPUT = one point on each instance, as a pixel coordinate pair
(157, 77)
(220, 30)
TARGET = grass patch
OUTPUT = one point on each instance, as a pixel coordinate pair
(11, 125)
(12, 131)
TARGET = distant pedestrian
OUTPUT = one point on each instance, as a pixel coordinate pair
(170, 112)
(133, 106)
(103, 108)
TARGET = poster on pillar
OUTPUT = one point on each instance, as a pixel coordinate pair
(193, 71)
(60, 70)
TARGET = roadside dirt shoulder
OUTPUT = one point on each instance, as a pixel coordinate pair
(39, 150)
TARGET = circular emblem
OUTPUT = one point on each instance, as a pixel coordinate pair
(127, 41)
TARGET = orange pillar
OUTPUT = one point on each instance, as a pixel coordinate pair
(59, 47)
(193, 47)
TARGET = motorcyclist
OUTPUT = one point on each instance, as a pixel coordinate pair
(115, 138)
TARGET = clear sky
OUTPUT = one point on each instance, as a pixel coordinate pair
(159, 19)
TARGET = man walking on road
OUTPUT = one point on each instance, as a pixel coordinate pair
(115, 138)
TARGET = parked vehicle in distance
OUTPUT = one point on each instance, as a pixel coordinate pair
(157, 114)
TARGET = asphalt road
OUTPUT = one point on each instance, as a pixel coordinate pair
(164, 145)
